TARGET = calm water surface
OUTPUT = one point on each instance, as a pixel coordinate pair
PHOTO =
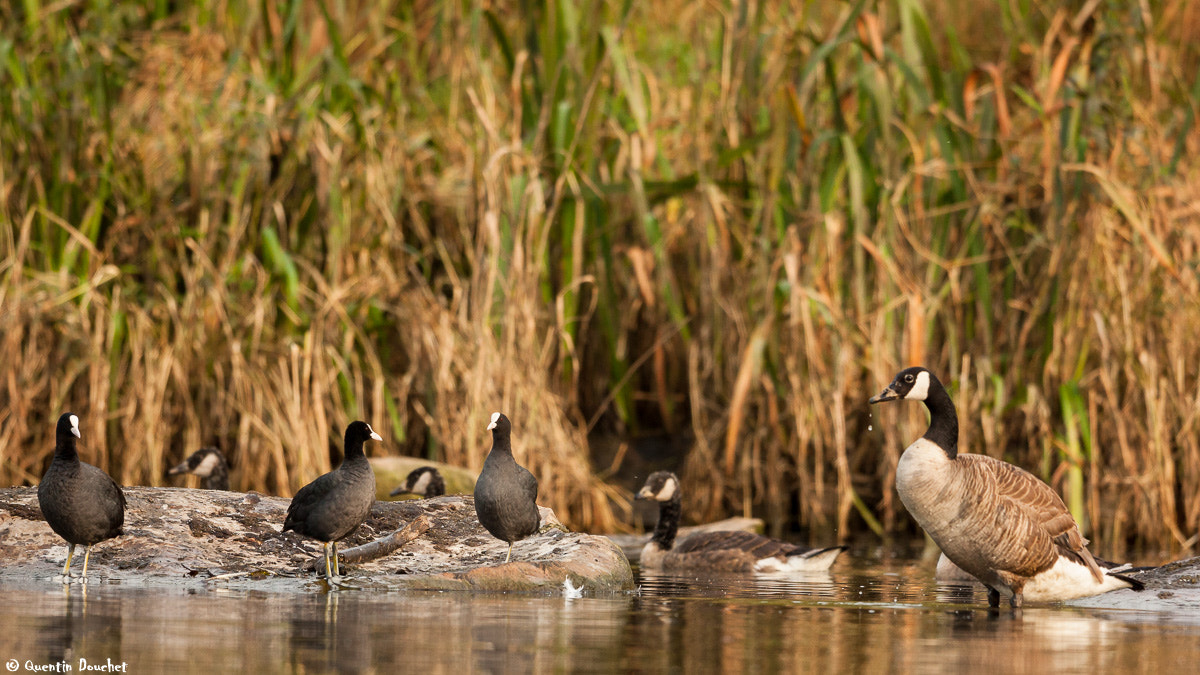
(861, 618)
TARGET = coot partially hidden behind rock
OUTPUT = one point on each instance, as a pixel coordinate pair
(425, 481)
(506, 493)
(207, 463)
(334, 505)
(81, 503)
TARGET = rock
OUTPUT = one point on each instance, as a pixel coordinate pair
(180, 537)
(391, 471)
(1172, 589)
(632, 544)
(1177, 575)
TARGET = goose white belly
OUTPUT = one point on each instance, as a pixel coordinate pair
(818, 561)
(1067, 580)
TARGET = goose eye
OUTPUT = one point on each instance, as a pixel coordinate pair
(908, 378)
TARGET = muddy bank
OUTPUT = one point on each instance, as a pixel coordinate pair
(179, 536)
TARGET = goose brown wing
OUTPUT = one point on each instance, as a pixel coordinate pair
(755, 544)
(1036, 513)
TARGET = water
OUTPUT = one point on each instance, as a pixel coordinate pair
(878, 617)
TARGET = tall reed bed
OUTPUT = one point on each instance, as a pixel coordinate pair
(252, 222)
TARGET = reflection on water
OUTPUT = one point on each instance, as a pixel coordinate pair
(856, 619)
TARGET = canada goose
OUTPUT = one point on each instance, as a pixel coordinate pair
(207, 463)
(81, 503)
(731, 551)
(425, 481)
(335, 504)
(506, 493)
(995, 521)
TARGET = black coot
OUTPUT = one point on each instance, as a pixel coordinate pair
(506, 493)
(81, 503)
(425, 481)
(207, 463)
(332, 506)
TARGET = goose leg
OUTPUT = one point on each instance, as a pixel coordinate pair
(328, 572)
(509, 556)
(337, 570)
(1016, 600)
(994, 597)
(67, 567)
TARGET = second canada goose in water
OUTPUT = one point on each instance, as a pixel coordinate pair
(80, 502)
(207, 463)
(731, 551)
(425, 481)
(335, 504)
(997, 522)
(506, 493)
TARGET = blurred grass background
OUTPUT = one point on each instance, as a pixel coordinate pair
(723, 222)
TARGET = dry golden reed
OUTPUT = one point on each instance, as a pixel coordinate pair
(250, 223)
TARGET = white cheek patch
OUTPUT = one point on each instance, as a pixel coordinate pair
(920, 390)
(75, 426)
(667, 491)
(495, 418)
(421, 483)
(205, 468)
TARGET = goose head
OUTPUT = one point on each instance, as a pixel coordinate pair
(661, 486)
(911, 384)
(919, 384)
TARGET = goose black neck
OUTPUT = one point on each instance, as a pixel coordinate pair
(943, 421)
(64, 447)
(668, 523)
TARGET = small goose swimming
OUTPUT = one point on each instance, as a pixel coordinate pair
(729, 551)
(995, 521)
(80, 502)
(424, 481)
(207, 463)
(335, 504)
(506, 493)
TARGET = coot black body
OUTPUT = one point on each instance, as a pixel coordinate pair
(334, 505)
(81, 503)
(506, 493)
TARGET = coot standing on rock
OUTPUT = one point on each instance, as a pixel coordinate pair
(81, 503)
(207, 463)
(506, 493)
(425, 481)
(334, 505)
